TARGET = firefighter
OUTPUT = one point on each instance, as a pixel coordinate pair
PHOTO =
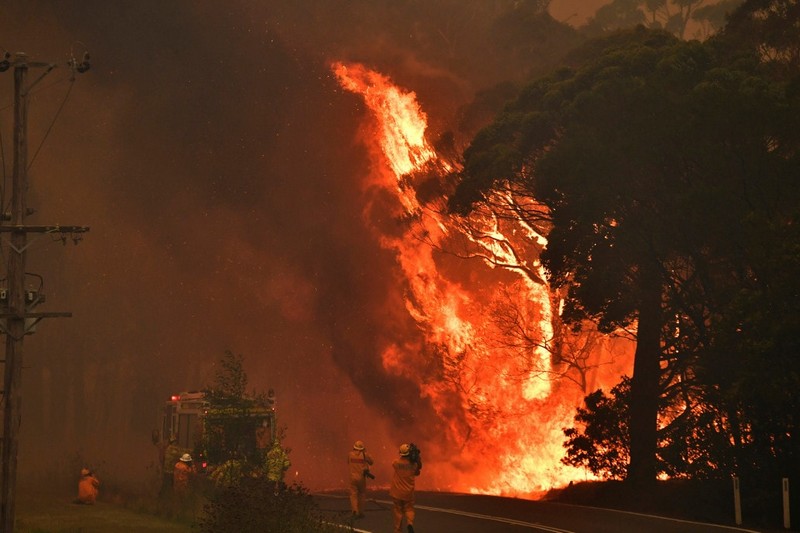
(402, 489)
(228, 473)
(277, 464)
(359, 462)
(171, 456)
(182, 475)
(88, 487)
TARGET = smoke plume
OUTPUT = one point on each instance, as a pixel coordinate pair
(218, 163)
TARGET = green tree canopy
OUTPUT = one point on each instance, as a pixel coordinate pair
(654, 157)
(234, 416)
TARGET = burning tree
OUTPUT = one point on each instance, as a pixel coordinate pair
(629, 151)
(488, 359)
(507, 232)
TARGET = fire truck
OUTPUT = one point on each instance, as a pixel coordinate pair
(214, 434)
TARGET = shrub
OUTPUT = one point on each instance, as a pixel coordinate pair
(254, 505)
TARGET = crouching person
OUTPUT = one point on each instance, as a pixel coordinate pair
(88, 487)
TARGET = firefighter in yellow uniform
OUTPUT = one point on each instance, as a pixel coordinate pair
(171, 456)
(228, 473)
(277, 464)
(402, 489)
(359, 462)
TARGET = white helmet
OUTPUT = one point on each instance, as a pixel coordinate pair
(405, 449)
(358, 446)
(186, 458)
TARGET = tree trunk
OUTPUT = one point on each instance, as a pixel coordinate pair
(645, 390)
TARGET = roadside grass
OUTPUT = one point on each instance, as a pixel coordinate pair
(52, 514)
(52, 510)
(253, 505)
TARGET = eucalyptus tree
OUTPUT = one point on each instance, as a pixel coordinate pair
(653, 156)
(675, 16)
(751, 368)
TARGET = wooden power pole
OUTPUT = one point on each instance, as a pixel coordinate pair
(17, 317)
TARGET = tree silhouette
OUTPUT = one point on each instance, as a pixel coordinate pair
(233, 416)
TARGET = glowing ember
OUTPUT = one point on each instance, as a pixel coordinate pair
(490, 329)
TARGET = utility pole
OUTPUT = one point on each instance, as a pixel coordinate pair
(16, 315)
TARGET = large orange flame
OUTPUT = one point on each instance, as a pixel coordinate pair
(487, 322)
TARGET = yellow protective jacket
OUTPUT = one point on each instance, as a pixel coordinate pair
(277, 463)
(405, 473)
(358, 461)
(228, 473)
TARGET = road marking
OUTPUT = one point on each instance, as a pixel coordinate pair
(348, 528)
(510, 521)
(341, 526)
(542, 527)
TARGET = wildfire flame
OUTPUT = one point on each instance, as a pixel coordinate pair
(488, 323)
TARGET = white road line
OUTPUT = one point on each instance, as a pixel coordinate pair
(340, 525)
(530, 525)
(552, 529)
(348, 528)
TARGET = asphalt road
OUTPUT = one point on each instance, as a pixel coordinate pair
(464, 513)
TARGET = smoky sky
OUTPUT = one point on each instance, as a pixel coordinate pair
(218, 165)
